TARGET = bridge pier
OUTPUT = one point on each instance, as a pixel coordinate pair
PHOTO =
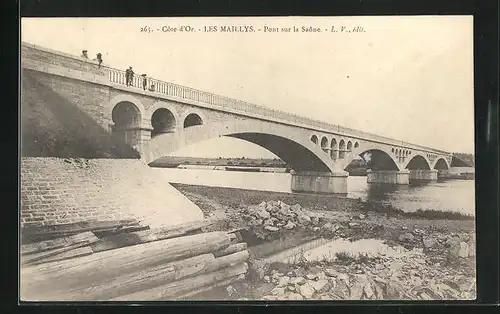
(423, 175)
(319, 182)
(388, 176)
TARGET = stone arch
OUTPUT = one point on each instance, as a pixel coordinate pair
(382, 153)
(314, 139)
(192, 119)
(418, 162)
(333, 149)
(349, 146)
(356, 145)
(163, 104)
(163, 121)
(341, 149)
(293, 147)
(108, 110)
(442, 164)
(324, 144)
(378, 159)
(127, 120)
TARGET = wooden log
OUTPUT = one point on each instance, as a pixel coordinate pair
(56, 243)
(99, 267)
(231, 249)
(126, 229)
(82, 251)
(178, 288)
(30, 258)
(74, 228)
(141, 280)
(133, 238)
(146, 278)
(190, 294)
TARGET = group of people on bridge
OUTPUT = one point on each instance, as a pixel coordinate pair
(98, 57)
(129, 78)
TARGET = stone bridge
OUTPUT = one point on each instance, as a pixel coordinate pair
(164, 117)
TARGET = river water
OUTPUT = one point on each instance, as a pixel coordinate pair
(456, 195)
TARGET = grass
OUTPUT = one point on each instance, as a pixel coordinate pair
(430, 214)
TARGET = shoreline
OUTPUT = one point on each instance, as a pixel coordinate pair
(434, 251)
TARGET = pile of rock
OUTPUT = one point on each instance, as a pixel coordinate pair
(457, 245)
(404, 279)
(275, 216)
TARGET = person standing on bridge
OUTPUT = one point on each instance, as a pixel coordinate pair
(99, 59)
(84, 54)
(144, 81)
(129, 76)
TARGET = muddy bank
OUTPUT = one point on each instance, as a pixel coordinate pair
(316, 255)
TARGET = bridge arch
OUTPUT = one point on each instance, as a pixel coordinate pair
(324, 144)
(121, 99)
(441, 164)
(418, 162)
(380, 156)
(293, 147)
(342, 149)
(314, 139)
(333, 149)
(193, 119)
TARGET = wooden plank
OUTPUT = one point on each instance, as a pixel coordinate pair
(133, 238)
(126, 229)
(82, 251)
(100, 267)
(178, 288)
(56, 243)
(73, 228)
(30, 258)
(233, 248)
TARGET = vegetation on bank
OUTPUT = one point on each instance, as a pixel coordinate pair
(430, 214)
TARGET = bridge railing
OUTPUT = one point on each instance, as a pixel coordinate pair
(170, 89)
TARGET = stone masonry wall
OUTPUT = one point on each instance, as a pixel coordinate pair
(58, 190)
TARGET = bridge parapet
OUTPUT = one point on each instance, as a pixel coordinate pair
(168, 89)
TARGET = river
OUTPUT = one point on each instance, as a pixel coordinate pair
(456, 195)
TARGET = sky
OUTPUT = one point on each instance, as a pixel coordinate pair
(408, 78)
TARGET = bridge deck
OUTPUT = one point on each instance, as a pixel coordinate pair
(165, 88)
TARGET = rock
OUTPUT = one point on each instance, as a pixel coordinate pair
(316, 229)
(379, 266)
(303, 218)
(271, 228)
(362, 216)
(283, 281)
(231, 291)
(315, 220)
(298, 280)
(463, 250)
(343, 277)
(340, 291)
(407, 237)
(353, 224)
(295, 296)
(394, 290)
(267, 279)
(368, 291)
(306, 290)
(320, 286)
(296, 207)
(322, 275)
(279, 224)
(289, 225)
(331, 272)
(268, 222)
(311, 276)
(278, 291)
(291, 288)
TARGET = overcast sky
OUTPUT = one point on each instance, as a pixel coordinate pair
(408, 78)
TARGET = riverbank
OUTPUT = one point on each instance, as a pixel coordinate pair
(429, 258)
